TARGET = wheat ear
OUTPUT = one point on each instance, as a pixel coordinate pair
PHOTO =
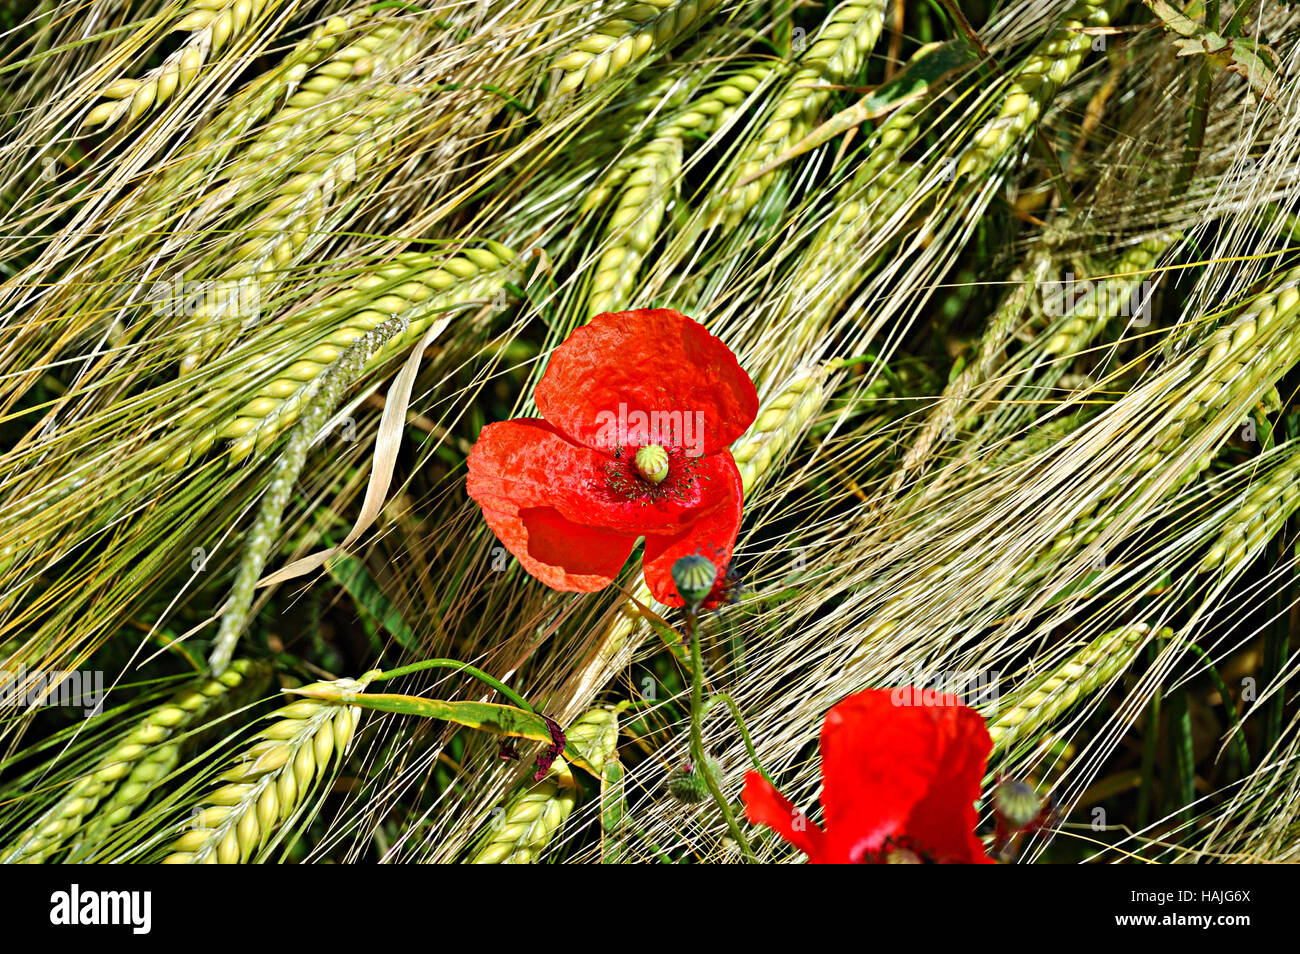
(138, 760)
(1262, 514)
(1033, 87)
(535, 815)
(416, 288)
(1129, 272)
(698, 120)
(261, 538)
(212, 25)
(298, 215)
(221, 138)
(268, 784)
(1047, 697)
(1228, 367)
(834, 56)
(645, 26)
(635, 223)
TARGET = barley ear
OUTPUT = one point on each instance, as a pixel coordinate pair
(212, 25)
(1042, 700)
(270, 783)
(646, 27)
(121, 780)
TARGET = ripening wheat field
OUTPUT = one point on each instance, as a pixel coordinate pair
(675, 431)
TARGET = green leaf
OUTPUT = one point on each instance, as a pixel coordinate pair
(488, 716)
(351, 574)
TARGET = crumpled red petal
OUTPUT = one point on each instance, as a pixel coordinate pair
(651, 361)
(712, 533)
(562, 554)
(944, 819)
(764, 805)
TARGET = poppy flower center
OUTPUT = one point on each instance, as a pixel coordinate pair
(653, 473)
(896, 851)
(652, 463)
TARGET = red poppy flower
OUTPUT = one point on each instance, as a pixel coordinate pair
(638, 409)
(899, 782)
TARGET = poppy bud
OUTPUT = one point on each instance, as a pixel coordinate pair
(652, 463)
(694, 577)
(1018, 804)
(687, 785)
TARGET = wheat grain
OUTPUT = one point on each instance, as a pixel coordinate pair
(1046, 698)
(212, 25)
(266, 786)
(645, 26)
(417, 289)
(137, 761)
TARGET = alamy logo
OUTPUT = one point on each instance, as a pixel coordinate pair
(74, 907)
(1088, 299)
(53, 688)
(637, 428)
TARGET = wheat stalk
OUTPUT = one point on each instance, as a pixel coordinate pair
(141, 758)
(834, 56)
(416, 288)
(645, 26)
(266, 786)
(536, 815)
(212, 25)
(1045, 698)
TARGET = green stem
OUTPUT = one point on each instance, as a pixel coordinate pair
(1149, 743)
(697, 739)
(744, 732)
(380, 675)
(1241, 749)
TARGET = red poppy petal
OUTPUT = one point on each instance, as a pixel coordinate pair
(905, 763)
(653, 362)
(562, 554)
(944, 821)
(764, 805)
(528, 463)
(711, 535)
(877, 763)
